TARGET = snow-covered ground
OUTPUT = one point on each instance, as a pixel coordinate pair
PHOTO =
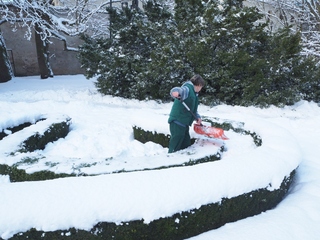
(101, 141)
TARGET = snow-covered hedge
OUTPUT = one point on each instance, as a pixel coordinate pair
(174, 203)
(181, 225)
(51, 134)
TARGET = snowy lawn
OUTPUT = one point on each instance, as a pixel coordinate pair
(101, 141)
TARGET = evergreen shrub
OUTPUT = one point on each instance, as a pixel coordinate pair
(162, 139)
(53, 133)
(179, 226)
(145, 136)
(20, 175)
(151, 51)
(17, 128)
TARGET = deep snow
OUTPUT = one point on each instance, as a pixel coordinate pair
(101, 141)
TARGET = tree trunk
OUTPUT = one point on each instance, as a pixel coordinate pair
(6, 72)
(43, 55)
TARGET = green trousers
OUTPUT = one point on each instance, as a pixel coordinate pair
(180, 137)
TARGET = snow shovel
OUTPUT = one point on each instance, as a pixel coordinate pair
(211, 132)
(208, 131)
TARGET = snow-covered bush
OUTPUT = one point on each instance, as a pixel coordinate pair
(241, 61)
(145, 136)
(19, 175)
(40, 140)
(181, 225)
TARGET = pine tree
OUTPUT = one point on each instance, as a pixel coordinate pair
(223, 39)
(166, 67)
(281, 84)
(309, 76)
(127, 63)
(153, 50)
(242, 62)
(114, 59)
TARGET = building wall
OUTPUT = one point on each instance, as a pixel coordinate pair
(23, 54)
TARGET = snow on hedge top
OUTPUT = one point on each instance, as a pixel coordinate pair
(102, 129)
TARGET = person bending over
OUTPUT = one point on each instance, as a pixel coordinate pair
(180, 118)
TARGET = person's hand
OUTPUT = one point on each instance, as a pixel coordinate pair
(175, 94)
(199, 121)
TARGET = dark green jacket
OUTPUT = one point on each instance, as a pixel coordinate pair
(180, 113)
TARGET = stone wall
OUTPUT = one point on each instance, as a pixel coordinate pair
(23, 55)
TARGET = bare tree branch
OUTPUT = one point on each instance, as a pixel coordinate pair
(300, 15)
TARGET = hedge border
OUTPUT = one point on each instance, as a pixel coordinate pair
(38, 141)
(17, 128)
(180, 225)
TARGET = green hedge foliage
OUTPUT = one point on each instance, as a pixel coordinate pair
(146, 136)
(53, 133)
(17, 128)
(20, 175)
(179, 226)
(149, 52)
(228, 126)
